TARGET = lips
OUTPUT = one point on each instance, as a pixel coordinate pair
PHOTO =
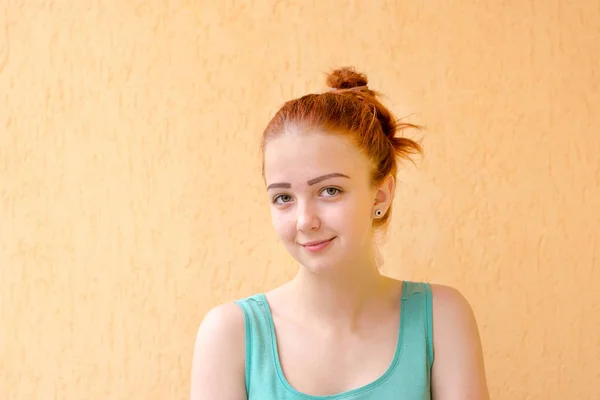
(317, 245)
(316, 242)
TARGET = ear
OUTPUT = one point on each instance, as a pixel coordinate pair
(385, 194)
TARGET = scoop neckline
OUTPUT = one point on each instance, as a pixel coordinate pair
(369, 386)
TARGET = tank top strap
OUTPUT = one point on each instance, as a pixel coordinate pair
(260, 355)
(416, 318)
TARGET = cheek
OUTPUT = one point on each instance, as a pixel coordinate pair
(283, 224)
(352, 217)
(336, 216)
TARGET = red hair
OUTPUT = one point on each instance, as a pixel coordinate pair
(350, 108)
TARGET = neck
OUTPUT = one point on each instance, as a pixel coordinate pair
(340, 297)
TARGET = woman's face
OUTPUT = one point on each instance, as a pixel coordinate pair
(322, 200)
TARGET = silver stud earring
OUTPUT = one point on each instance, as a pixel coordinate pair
(378, 213)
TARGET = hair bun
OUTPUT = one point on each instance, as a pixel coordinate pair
(346, 78)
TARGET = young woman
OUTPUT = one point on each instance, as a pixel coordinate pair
(339, 329)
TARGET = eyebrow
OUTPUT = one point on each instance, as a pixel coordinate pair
(313, 181)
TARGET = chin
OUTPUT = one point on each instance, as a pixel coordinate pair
(320, 261)
(320, 267)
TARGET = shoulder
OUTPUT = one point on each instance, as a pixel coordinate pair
(221, 332)
(458, 370)
(449, 303)
(453, 317)
(219, 354)
(225, 319)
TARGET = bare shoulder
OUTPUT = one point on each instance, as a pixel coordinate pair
(458, 370)
(225, 319)
(447, 299)
(219, 355)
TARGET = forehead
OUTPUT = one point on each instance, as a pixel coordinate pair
(309, 154)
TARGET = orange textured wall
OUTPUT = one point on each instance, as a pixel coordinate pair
(131, 200)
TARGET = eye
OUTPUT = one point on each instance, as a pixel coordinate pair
(282, 199)
(331, 191)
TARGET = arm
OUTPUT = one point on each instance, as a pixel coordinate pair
(219, 356)
(458, 371)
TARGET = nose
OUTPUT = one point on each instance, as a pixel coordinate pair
(307, 218)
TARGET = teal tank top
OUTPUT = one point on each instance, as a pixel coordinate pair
(408, 376)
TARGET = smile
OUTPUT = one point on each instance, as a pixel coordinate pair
(317, 245)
